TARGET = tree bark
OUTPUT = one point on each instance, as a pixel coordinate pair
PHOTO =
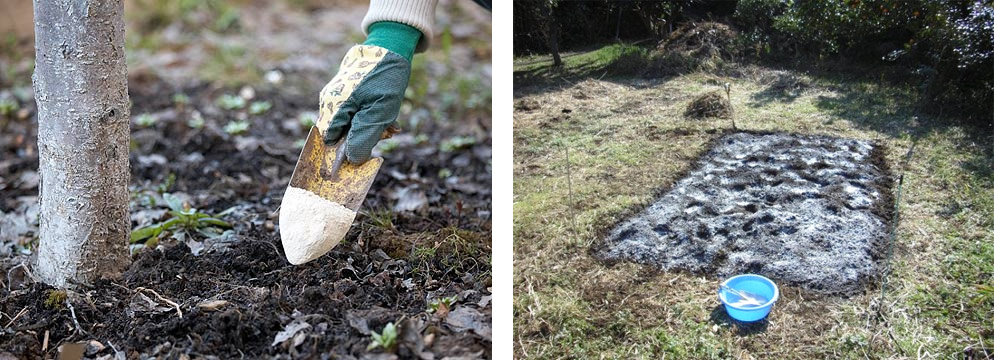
(550, 29)
(81, 88)
(553, 41)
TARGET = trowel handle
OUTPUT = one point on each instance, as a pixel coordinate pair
(339, 159)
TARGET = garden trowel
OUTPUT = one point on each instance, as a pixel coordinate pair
(324, 194)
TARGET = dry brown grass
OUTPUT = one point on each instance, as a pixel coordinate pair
(628, 140)
(712, 104)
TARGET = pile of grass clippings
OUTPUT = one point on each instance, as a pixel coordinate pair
(713, 104)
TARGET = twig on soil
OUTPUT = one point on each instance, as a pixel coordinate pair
(27, 270)
(12, 320)
(112, 347)
(523, 351)
(79, 329)
(122, 286)
(44, 344)
(167, 301)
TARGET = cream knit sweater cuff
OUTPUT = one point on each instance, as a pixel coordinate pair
(419, 14)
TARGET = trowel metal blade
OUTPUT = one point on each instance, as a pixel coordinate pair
(313, 173)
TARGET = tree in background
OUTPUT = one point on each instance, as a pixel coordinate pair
(81, 89)
(949, 43)
(550, 28)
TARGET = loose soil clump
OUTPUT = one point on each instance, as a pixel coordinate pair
(713, 104)
(807, 211)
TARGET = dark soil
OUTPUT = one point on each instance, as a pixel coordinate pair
(395, 261)
(808, 211)
(341, 297)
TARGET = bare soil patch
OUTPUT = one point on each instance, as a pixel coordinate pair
(807, 211)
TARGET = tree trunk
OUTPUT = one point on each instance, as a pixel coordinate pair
(553, 41)
(81, 89)
(617, 28)
(550, 29)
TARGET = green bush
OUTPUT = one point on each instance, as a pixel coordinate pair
(949, 45)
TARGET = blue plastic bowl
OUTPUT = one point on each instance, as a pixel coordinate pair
(755, 284)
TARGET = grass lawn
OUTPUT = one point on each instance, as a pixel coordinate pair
(628, 140)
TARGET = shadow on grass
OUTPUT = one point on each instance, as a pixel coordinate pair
(781, 86)
(720, 317)
(889, 110)
(617, 62)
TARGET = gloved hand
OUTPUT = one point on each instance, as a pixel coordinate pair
(363, 100)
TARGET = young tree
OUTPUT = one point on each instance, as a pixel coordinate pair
(81, 89)
(550, 29)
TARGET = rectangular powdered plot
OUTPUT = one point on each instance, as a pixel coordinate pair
(808, 211)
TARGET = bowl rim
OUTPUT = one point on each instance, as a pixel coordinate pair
(768, 303)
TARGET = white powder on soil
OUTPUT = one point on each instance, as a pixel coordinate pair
(310, 225)
(803, 210)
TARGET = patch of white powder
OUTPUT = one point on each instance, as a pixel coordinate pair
(310, 225)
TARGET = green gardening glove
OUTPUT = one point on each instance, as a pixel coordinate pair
(361, 103)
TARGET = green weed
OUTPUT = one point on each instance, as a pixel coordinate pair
(236, 127)
(231, 102)
(456, 143)
(196, 121)
(145, 120)
(182, 223)
(442, 303)
(8, 107)
(386, 340)
(307, 119)
(181, 99)
(259, 107)
(381, 218)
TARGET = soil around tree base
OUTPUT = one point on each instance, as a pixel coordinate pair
(391, 265)
(807, 211)
(337, 300)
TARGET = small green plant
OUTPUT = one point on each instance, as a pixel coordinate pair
(444, 173)
(145, 120)
(181, 99)
(457, 142)
(231, 102)
(308, 119)
(388, 146)
(381, 218)
(165, 185)
(183, 221)
(855, 341)
(445, 302)
(387, 340)
(424, 253)
(228, 19)
(236, 127)
(8, 107)
(196, 121)
(259, 107)
(55, 298)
